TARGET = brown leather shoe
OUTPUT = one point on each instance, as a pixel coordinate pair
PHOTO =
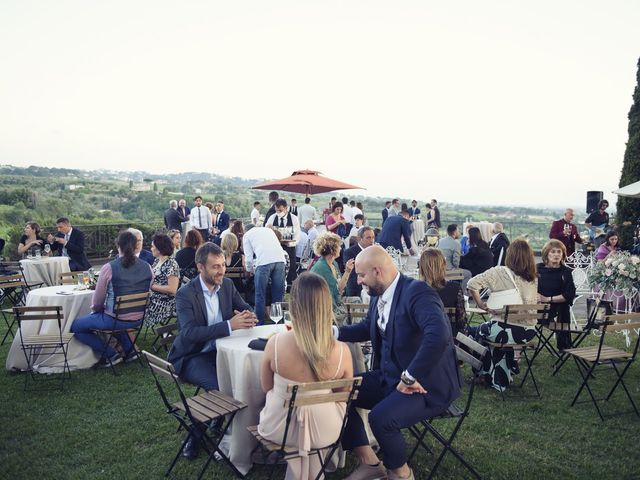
(368, 472)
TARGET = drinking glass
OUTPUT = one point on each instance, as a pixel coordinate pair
(80, 280)
(47, 249)
(86, 279)
(38, 254)
(276, 312)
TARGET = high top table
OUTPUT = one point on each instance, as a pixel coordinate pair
(45, 270)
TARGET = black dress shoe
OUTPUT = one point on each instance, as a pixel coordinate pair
(191, 448)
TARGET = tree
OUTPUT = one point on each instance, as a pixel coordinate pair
(628, 209)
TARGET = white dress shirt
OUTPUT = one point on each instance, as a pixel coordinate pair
(201, 218)
(263, 243)
(306, 212)
(302, 244)
(347, 213)
(214, 315)
(355, 211)
(274, 220)
(255, 216)
(387, 296)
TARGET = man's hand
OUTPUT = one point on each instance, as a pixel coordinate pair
(410, 389)
(242, 320)
(349, 266)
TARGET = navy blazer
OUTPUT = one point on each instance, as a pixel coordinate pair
(222, 222)
(172, 219)
(353, 289)
(394, 228)
(78, 260)
(385, 215)
(191, 311)
(419, 335)
(147, 256)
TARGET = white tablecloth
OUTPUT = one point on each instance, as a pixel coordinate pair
(47, 269)
(73, 306)
(238, 370)
(486, 229)
(417, 233)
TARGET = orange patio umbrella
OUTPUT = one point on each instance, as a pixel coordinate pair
(308, 182)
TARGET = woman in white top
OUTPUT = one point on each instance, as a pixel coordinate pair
(308, 353)
(520, 273)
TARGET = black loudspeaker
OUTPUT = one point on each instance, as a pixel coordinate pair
(593, 198)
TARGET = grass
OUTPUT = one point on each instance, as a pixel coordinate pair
(103, 426)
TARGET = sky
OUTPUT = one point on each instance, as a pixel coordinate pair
(491, 102)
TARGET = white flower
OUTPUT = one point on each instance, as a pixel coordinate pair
(635, 259)
(621, 266)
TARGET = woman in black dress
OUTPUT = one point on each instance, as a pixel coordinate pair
(555, 286)
(479, 258)
(31, 239)
(186, 257)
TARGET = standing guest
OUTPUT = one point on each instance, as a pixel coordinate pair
(183, 210)
(273, 196)
(166, 278)
(327, 248)
(415, 375)
(306, 211)
(598, 219)
(208, 308)
(451, 249)
(126, 275)
(464, 240)
(294, 207)
(385, 211)
(366, 238)
(358, 223)
(264, 254)
(394, 230)
(435, 215)
(479, 258)
(237, 228)
(498, 244)
(233, 258)
(201, 218)
(609, 245)
(428, 217)
(69, 242)
(395, 207)
(176, 240)
(335, 222)
(347, 213)
(433, 269)
(222, 219)
(141, 253)
(172, 219)
(283, 219)
(414, 211)
(519, 272)
(255, 213)
(31, 240)
(355, 209)
(360, 207)
(186, 257)
(566, 232)
(555, 286)
(308, 353)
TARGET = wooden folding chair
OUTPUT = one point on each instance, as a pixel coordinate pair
(210, 413)
(16, 267)
(13, 290)
(51, 344)
(165, 336)
(136, 302)
(518, 315)
(69, 278)
(455, 275)
(468, 352)
(274, 451)
(355, 313)
(587, 359)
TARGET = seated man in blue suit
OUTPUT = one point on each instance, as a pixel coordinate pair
(394, 229)
(69, 242)
(415, 373)
(207, 308)
(141, 253)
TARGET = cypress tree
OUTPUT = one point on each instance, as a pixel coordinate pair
(628, 209)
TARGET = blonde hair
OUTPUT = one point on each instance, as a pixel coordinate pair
(550, 245)
(229, 245)
(433, 268)
(327, 243)
(311, 311)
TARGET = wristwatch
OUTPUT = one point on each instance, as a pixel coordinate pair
(407, 379)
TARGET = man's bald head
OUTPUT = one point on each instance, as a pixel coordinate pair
(375, 269)
(497, 227)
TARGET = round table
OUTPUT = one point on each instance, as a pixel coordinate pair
(417, 233)
(45, 270)
(74, 303)
(238, 370)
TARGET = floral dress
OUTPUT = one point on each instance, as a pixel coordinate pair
(162, 306)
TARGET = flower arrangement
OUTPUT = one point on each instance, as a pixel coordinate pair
(619, 271)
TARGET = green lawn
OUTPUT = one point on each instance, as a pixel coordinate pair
(103, 426)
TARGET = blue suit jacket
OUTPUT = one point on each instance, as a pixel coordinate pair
(222, 222)
(147, 256)
(419, 336)
(192, 319)
(394, 228)
(78, 260)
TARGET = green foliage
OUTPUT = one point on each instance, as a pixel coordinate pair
(628, 209)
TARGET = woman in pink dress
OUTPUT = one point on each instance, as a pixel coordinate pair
(335, 222)
(609, 245)
(308, 353)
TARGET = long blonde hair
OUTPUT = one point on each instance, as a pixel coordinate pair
(311, 311)
(229, 245)
(433, 268)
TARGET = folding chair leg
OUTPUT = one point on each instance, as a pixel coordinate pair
(9, 328)
(620, 381)
(216, 448)
(446, 443)
(419, 436)
(585, 383)
(529, 370)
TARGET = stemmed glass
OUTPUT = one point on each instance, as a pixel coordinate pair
(47, 249)
(276, 312)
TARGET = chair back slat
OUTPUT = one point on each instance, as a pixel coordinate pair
(69, 278)
(305, 400)
(324, 385)
(136, 302)
(618, 327)
(466, 357)
(12, 281)
(622, 317)
(356, 311)
(471, 344)
(38, 313)
(454, 275)
(234, 272)
(526, 313)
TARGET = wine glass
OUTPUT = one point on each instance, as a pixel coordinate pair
(276, 312)
(47, 249)
(86, 279)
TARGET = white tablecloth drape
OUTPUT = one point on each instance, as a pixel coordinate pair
(238, 370)
(417, 233)
(46, 269)
(75, 303)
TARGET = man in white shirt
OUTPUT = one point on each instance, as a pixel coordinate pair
(354, 209)
(255, 213)
(306, 211)
(286, 222)
(347, 213)
(268, 265)
(358, 223)
(395, 207)
(311, 230)
(201, 218)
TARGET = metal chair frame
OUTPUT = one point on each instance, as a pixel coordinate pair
(13, 289)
